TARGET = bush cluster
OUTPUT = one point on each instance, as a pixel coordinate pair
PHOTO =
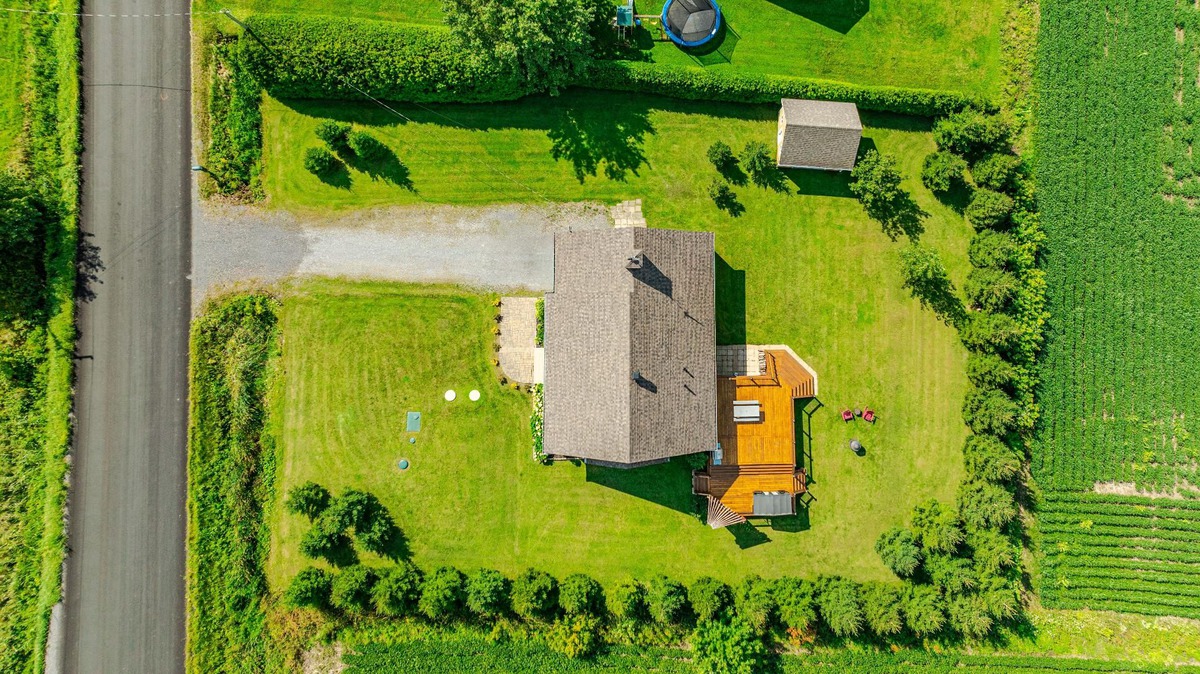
(706, 85)
(234, 154)
(331, 518)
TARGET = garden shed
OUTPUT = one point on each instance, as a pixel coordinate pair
(818, 134)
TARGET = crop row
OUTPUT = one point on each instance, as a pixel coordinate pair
(1148, 521)
(1086, 498)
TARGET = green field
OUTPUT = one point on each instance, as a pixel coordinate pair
(934, 44)
(356, 358)
(12, 76)
(1121, 382)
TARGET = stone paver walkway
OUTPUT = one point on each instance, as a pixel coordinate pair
(628, 214)
(518, 335)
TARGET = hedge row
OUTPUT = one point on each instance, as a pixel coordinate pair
(706, 85)
(332, 57)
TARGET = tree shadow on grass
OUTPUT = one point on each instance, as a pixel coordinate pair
(387, 167)
(717, 50)
(746, 535)
(342, 554)
(338, 176)
(590, 138)
(957, 197)
(396, 546)
(836, 15)
(731, 303)
(814, 182)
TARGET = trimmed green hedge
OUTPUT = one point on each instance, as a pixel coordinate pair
(706, 85)
(327, 57)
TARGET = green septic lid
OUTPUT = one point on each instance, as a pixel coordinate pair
(412, 441)
(403, 464)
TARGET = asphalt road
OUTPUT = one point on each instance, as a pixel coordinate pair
(124, 593)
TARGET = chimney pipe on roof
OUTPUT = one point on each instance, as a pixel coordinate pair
(635, 261)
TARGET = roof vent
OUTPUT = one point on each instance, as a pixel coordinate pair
(637, 375)
(636, 260)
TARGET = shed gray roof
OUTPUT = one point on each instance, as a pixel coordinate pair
(605, 322)
(818, 134)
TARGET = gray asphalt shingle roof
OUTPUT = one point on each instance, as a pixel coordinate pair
(604, 322)
(818, 134)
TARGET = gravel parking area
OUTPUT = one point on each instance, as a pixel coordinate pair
(502, 248)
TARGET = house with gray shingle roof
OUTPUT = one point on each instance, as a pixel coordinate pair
(630, 346)
(818, 134)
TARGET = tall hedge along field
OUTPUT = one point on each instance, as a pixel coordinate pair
(1121, 378)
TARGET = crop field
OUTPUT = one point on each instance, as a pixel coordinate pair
(1121, 381)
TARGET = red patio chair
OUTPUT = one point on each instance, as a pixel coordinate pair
(847, 415)
(869, 415)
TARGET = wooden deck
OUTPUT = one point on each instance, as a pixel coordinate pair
(758, 456)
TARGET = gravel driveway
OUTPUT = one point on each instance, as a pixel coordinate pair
(502, 248)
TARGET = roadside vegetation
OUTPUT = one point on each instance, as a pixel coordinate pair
(39, 132)
(1118, 192)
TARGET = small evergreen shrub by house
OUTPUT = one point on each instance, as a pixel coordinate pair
(881, 608)
(923, 611)
(755, 602)
(989, 209)
(943, 171)
(367, 147)
(309, 589)
(667, 600)
(709, 597)
(334, 134)
(991, 411)
(319, 161)
(759, 163)
(795, 602)
(443, 594)
(840, 605)
(984, 505)
(581, 595)
(397, 590)
(936, 526)
(627, 601)
(996, 171)
(898, 549)
(535, 595)
(487, 593)
(351, 591)
(309, 499)
(728, 646)
(987, 457)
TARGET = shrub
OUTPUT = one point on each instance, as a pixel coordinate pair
(987, 457)
(728, 646)
(875, 180)
(991, 333)
(378, 532)
(898, 549)
(699, 84)
(627, 601)
(936, 526)
(581, 595)
(575, 636)
(953, 575)
(755, 601)
(310, 588)
(323, 539)
(309, 499)
(971, 133)
(996, 171)
(943, 171)
(990, 248)
(841, 606)
(991, 289)
(720, 155)
(319, 161)
(697, 461)
(334, 134)
(487, 593)
(709, 597)
(881, 608)
(990, 410)
(667, 600)
(989, 209)
(721, 194)
(535, 595)
(795, 601)
(351, 590)
(234, 153)
(351, 509)
(969, 616)
(1001, 598)
(987, 370)
(367, 147)
(757, 159)
(991, 551)
(442, 593)
(397, 590)
(985, 504)
(926, 278)
(923, 612)
(341, 58)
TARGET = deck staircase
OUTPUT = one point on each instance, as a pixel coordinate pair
(719, 516)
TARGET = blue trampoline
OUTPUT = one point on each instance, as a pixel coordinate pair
(691, 23)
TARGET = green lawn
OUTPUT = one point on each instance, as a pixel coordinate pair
(936, 44)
